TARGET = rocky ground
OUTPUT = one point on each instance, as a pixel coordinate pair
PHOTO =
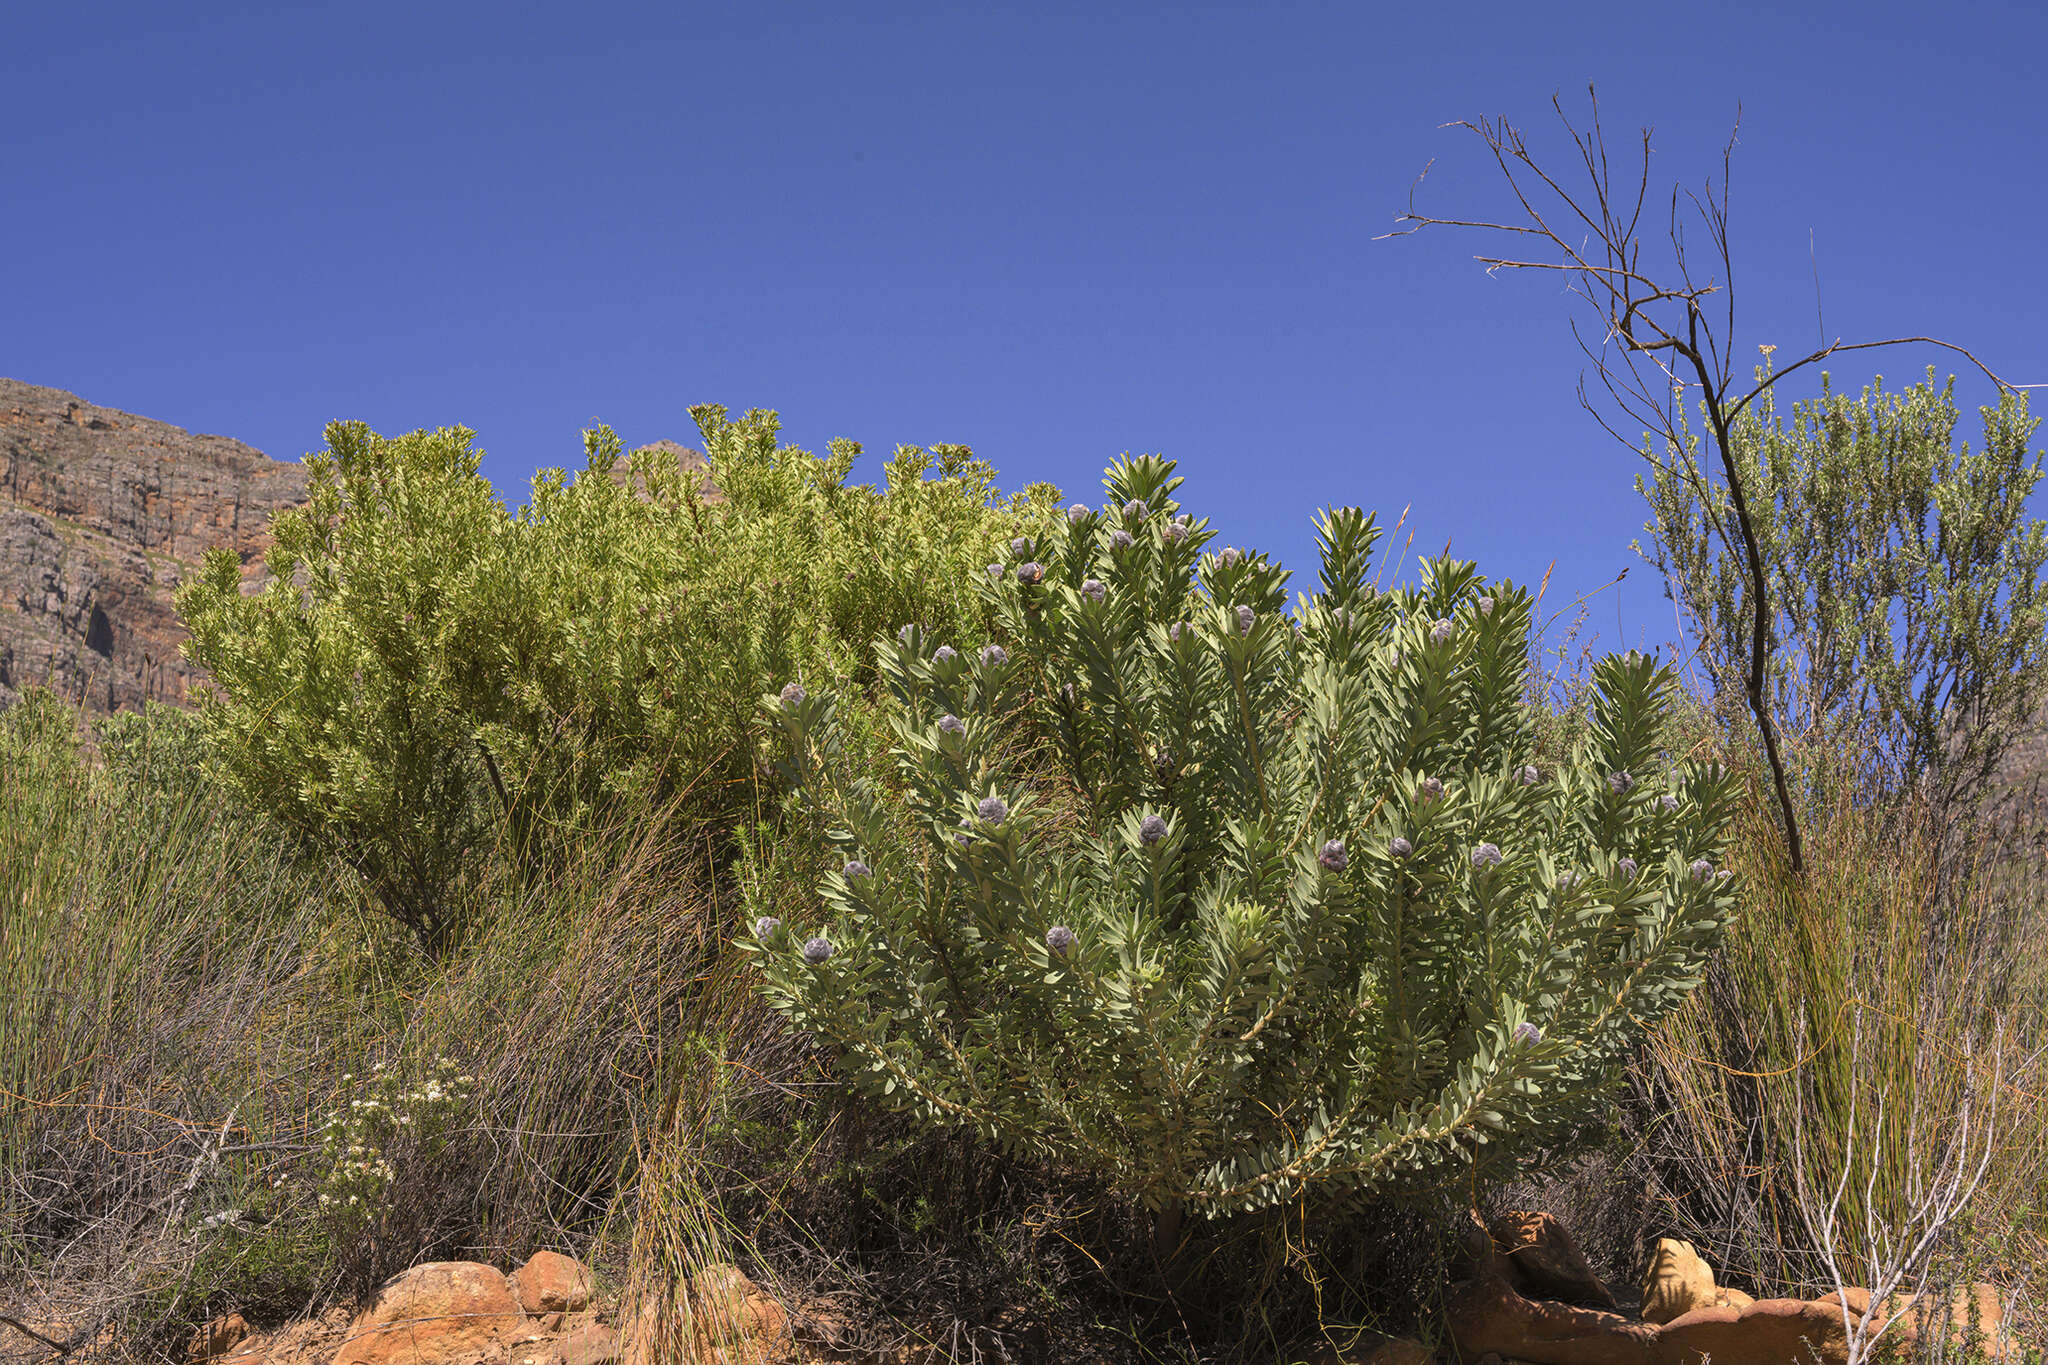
(1529, 1298)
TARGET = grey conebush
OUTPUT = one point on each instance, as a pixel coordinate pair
(1621, 782)
(792, 694)
(951, 724)
(1221, 789)
(1078, 513)
(767, 927)
(817, 950)
(994, 655)
(1120, 539)
(1246, 618)
(1093, 590)
(857, 868)
(944, 654)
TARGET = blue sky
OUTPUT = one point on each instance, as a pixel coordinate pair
(1052, 232)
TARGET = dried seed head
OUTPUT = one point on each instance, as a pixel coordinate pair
(1030, 573)
(1152, 829)
(1331, 855)
(992, 809)
(1061, 940)
(817, 950)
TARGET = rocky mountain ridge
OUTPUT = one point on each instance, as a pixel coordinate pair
(102, 514)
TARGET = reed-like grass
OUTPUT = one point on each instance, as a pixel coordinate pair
(1858, 1022)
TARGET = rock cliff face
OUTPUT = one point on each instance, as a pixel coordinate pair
(102, 515)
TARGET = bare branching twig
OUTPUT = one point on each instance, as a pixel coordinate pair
(1665, 328)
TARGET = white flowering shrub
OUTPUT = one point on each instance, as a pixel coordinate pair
(1227, 905)
(359, 1140)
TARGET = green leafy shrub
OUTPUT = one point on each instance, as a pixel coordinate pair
(1904, 575)
(1224, 906)
(428, 674)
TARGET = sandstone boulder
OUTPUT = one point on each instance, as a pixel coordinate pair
(1547, 1262)
(591, 1344)
(438, 1313)
(1976, 1316)
(550, 1282)
(216, 1339)
(1676, 1281)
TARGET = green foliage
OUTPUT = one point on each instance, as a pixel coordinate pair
(1904, 577)
(1225, 907)
(427, 673)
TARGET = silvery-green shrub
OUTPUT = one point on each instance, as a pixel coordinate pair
(1227, 907)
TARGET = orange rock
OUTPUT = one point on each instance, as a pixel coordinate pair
(1974, 1311)
(550, 1282)
(216, 1339)
(733, 1316)
(1767, 1332)
(1547, 1262)
(1676, 1281)
(1486, 1314)
(590, 1344)
(434, 1314)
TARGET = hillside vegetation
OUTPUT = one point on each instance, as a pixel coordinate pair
(1038, 930)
